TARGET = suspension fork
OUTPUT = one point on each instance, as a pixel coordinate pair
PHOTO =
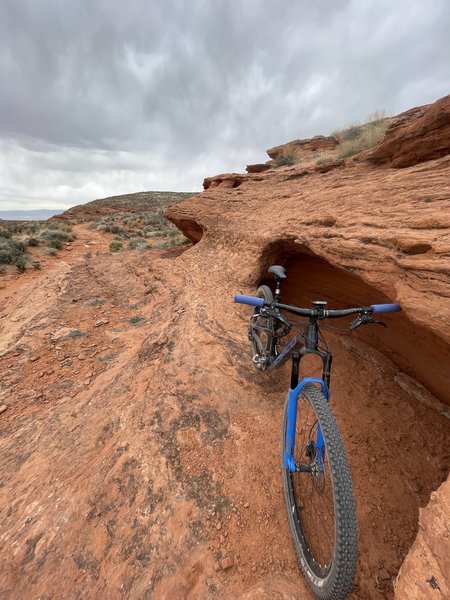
(293, 396)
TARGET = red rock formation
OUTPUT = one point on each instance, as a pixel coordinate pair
(226, 180)
(259, 168)
(139, 454)
(415, 136)
(425, 572)
(304, 148)
(355, 233)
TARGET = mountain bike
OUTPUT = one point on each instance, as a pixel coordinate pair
(318, 489)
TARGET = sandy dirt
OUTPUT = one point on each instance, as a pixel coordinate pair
(140, 449)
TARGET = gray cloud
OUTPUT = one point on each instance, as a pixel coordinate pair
(99, 98)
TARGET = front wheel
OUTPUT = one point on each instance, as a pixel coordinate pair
(319, 498)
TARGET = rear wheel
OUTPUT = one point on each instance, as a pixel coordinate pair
(320, 502)
(262, 333)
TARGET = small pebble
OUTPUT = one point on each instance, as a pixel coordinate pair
(226, 563)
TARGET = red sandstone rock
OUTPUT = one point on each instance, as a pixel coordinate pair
(258, 168)
(273, 588)
(226, 180)
(304, 148)
(426, 570)
(416, 136)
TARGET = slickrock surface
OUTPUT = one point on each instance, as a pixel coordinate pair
(140, 449)
(425, 572)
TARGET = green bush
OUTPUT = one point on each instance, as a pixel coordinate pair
(115, 246)
(137, 243)
(56, 238)
(288, 158)
(13, 253)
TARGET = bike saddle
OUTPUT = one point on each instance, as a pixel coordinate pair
(278, 271)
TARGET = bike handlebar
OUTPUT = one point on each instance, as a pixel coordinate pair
(317, 312)
(251, 300)
(385, 308)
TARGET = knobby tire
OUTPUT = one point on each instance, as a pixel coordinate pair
(263, 342)
(317, 504)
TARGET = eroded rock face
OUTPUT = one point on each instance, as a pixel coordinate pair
(388, 228)
(417, 135)
(359, 234)
(304, 148)
(425, 572)
(226, 181)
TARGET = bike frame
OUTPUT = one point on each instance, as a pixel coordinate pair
(296, 387)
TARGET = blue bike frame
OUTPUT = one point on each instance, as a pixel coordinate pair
(289, 442)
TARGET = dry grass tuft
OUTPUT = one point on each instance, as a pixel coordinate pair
(359, 137)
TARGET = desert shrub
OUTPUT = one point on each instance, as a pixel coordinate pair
(56, 238)
(5, 233)
(349, 133)
(137, 243)
(356, 138)
(50, 251)
(74, 333)
(288, 158)
(13, 253)
(115, 246)
(21, 262)
(36, 265)
(324, 158)
(32, 241)
(162, 245)
(156, 218)
(137, 320)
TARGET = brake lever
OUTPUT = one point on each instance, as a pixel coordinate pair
(365, 319)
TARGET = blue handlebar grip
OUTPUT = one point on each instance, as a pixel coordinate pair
(385, 308)
(252, 300)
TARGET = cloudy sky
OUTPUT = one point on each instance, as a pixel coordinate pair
(103, 97)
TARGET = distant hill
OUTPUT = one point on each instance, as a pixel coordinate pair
(29, 215)
(126, 203)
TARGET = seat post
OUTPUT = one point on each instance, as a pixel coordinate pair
(277, 296)
(279, 273)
